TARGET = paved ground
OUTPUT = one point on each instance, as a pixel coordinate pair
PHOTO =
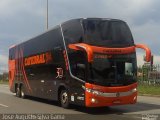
(147, 107)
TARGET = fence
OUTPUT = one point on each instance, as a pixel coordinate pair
(149, 75)
(4, 77)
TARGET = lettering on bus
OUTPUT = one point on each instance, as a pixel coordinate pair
(48, 57)
(102, 56)
(112, 51)
(38, 59)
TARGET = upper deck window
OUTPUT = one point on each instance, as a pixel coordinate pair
(73, 32)
(109, 33)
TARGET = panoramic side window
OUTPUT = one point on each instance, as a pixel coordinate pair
(73, 32)
(78, 64)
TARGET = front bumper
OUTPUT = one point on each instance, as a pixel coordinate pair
(109, 96)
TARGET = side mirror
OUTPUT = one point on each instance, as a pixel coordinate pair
(147, 57)
(89, 50)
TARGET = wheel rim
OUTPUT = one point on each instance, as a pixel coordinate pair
(17, 93)
(22, 93)
(64, 97)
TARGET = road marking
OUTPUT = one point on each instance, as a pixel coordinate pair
(3, 105)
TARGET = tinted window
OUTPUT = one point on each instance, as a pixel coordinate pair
(78, 64)
(11, 54)
(45, 42)
(72, 31)
(118, 70)
(107, 33)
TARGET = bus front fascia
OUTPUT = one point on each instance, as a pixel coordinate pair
(98, 96)
(90, 50)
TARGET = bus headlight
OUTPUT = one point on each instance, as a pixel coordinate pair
(95, 92)
(88, 90)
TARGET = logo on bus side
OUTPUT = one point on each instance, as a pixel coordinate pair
(117, 94)
(59, 73)
(38, 59)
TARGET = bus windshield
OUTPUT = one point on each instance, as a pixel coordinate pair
(107, 33)
(116, 71)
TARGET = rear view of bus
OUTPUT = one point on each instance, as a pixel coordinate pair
(103, 56)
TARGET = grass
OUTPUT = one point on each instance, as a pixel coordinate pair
(148, 89)
(4, 82)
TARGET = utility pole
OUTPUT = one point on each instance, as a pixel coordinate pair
(47, 17)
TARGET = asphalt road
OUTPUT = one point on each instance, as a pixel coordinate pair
(146, 107)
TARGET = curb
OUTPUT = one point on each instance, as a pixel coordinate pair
(149, 95)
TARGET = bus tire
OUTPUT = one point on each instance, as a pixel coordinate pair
(18, 92)
(64, 99)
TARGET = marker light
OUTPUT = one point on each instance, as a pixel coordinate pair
(93, 100)
(134, 90)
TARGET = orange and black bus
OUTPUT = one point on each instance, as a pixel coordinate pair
(88, 61)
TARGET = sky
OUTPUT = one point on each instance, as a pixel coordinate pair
(23, 19)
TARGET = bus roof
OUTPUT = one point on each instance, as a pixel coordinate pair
(109, 19)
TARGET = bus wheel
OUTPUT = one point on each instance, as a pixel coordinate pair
(22, 93)
(64, 99)
(18, 92)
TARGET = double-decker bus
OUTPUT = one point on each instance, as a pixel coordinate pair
(88, 61)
